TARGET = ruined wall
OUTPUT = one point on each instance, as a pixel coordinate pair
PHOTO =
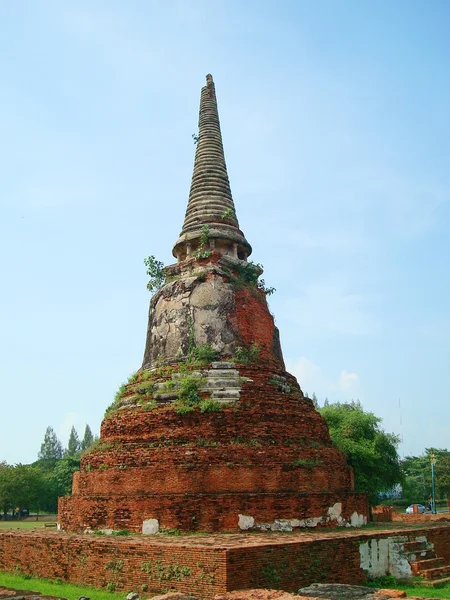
(205, 302)
(268, 456)
(201, 566)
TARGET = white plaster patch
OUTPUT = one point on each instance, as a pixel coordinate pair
(150, 526)
(385, 556)
(58, 526)
(246, 522)
(310, 522)
(357, 520)
(374, 557)
(335, 511)
(281, 525)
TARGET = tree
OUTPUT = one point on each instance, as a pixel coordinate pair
(63, 474)
(6, 500)
(51, 449)
(155, 270)
(88, 439)
(20, 487)
(369, 450)
(417, 471)
(73, 445)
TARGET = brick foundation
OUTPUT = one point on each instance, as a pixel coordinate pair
(203, 566)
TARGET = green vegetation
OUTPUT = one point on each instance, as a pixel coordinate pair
(202, 250)
(300, 462)
(417, 476)
(188, 396)
(155, 270)
(51, 588)
(247, 355)
(202, 354)
(247, 275)
(36, 487)
(412, 589)
(369, 450)
(228, 215)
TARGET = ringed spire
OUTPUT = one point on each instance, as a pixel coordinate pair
(210, 206)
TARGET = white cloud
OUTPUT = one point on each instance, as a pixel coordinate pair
(348, 383)
(312, 379)
(308, 374)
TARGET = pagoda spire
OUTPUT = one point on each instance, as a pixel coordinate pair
(210, 200)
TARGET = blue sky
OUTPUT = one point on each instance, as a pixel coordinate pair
(336, 127)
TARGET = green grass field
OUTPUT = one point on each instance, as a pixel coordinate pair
(73, 592)
(23, 525)
(60, 590)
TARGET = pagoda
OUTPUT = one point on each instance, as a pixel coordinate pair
(212, 433)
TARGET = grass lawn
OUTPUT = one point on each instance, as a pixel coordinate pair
(60, 590)
(73, 592)
(417, 590)
(22, 525)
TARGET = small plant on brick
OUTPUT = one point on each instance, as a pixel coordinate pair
(300, 462)
(149, 405)
(114, 565)
(155, 270)
(246, 355)
(146, 567)
(188, 396)
(209, 405)
(202, 250)
(202, 354)
(228, 214)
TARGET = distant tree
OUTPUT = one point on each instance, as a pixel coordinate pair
(417, 473)
(20, 487)
(6, 499)
(73, 446)
(315, 401)
(61, 480)
(51, 449)
(88, 439)
(369, 450)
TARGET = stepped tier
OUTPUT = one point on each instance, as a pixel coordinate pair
(266, 455)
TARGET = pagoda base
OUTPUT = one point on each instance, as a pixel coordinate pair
(213, 512)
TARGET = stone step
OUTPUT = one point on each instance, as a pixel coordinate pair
(423, 555)
(222, 383)
(223, 373)
(436, 573)
(165, 397)
(415, 546)
(223, 365)
(228, 395)
(428, 563)
(435, 583)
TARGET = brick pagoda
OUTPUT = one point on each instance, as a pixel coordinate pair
(212, 433)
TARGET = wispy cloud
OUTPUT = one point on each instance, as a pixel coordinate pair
(313, 379)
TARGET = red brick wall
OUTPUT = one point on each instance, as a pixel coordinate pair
(124, 564)
(199, 512)
(201, 566)
(257, 457)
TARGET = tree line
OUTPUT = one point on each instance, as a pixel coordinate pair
(373, 454)
(36, 487)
